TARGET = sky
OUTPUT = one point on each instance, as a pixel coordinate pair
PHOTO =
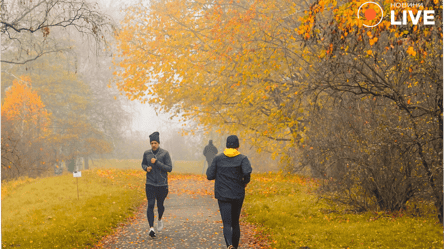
(146, 120)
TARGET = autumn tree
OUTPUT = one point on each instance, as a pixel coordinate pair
(76, 129)
(366, 163)
(26, 125)
(399, 70)
(230, 66)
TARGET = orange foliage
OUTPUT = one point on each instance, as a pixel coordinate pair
(22, 104)
(346, 22)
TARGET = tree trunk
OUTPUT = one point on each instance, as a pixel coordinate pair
(71, 165)
(85, 162)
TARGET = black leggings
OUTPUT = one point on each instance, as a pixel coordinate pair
(153, 193)
(230, 212)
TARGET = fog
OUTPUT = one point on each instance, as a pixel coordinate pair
(66, 55)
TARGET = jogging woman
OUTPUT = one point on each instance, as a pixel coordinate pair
(157, 163)
(231, 170)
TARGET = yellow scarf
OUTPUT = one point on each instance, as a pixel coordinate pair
(230, 152)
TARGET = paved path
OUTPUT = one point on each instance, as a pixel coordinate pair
(191, 220)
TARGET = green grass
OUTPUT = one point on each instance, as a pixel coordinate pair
(192, 167)
(46, 213)
(285, 208)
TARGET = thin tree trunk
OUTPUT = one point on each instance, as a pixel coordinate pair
(85, 162)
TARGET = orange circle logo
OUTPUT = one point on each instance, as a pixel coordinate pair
(371, 14)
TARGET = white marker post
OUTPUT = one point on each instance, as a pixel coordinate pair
(77, 174)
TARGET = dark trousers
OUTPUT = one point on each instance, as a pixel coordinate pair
(230, 212)
(154, 193)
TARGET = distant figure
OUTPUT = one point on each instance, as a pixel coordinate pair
(157, 163)
(231, 170)
(209, 152)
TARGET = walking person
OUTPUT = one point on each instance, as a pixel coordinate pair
(157, 163)
(210, 151)
(231, 171)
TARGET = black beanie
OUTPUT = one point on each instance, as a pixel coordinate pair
(155, 137)
(232, 141)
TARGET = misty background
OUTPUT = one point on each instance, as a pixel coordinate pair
(70, 66)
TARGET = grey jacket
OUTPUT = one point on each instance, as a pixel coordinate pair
(210, 151)
(158, 176)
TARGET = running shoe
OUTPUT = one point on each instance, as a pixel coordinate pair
(152, 233)
(159, 225)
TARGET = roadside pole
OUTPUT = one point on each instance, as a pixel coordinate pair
(77, 174)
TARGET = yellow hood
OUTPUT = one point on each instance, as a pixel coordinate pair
(230, 152)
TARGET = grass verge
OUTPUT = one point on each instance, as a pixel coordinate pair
(285, 208)
(46, 213)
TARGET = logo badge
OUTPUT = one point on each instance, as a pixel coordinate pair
(371, 14)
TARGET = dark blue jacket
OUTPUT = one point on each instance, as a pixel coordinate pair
(231, 175)
(158, 176)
